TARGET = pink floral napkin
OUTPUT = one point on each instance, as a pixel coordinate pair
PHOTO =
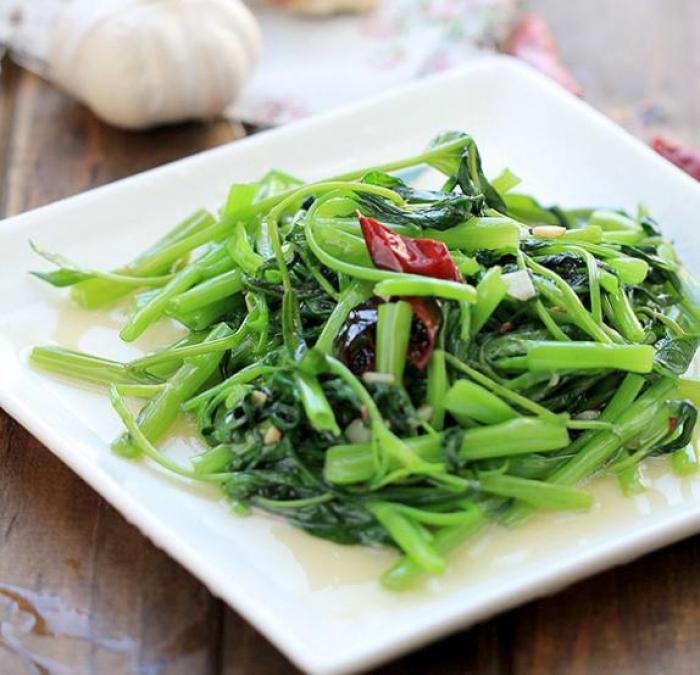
(310, 65)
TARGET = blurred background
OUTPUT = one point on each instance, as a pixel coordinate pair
(92, 91)
(235, 68)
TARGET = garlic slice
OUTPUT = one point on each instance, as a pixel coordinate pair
(519, 285)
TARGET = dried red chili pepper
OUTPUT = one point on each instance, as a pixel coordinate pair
(426, 257)
(532, 42)
(424, 330)
(356, 340)
(391, 251)
(683, 157)
(505, 327)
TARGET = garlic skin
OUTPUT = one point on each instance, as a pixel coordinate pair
(141, 63)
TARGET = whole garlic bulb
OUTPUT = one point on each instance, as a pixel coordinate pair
(139, 63)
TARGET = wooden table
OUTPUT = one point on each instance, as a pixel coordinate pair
(107, 601)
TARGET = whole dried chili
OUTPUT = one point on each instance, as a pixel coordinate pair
(391, 251)
(426, 257)
(532, 42)
(683, 157)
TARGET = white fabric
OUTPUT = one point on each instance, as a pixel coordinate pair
(313, 64)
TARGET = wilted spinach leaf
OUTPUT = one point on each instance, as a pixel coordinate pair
(674, 355)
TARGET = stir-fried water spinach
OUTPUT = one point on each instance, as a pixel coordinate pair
(386, 365)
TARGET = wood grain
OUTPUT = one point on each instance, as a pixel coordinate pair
(110, 601)
(70, 558)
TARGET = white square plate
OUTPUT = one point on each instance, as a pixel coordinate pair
(318, 602)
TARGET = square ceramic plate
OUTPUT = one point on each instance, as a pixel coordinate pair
(318, 602)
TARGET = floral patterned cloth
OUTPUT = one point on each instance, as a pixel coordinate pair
(310, 65)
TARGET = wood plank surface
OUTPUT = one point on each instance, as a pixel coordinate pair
(82, 591)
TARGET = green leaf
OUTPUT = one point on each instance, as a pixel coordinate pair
(429, 209)
(674, 355)
(505, 181)
(68, 273)
(449, 162)
(685, 419)
(63, 277)
(472, 180)
(442, 214)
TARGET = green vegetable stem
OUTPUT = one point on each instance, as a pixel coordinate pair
(385, 364)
